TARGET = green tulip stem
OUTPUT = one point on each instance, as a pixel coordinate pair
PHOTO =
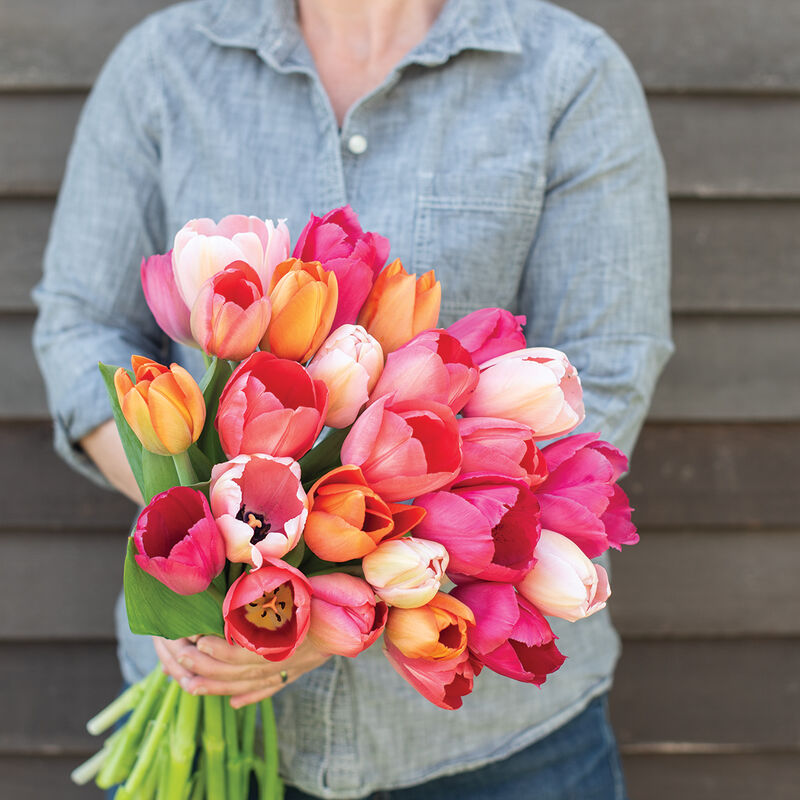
(197, 789)
(84, 773)
(182, 747)
(248, 740)
(214, 747)
(232, 754)
(183, 464)
(271, 786)
(115, 710)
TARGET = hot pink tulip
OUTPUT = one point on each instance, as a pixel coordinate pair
(270, 405)
(179, 542)
(268, 610)
(164, 299)
(537, 386)
(510, 636)
(203, 248)
(580, 498)
(502, 447)
(432, 366)
(231, 313)
(489, 525)
(349, 364)
(259, 505)
(563, 582)
(404, 449)
(345, 618)
(355, 257)
(489, 332)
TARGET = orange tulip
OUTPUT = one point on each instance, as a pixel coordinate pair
(434, 631)
(164, 407)
(400, 306)
(347, 519)
(304, 297)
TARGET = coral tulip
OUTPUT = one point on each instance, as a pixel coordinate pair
(259, 505)
(178, 540)
(164, 407)
(347, 519)
(563, 582)
(164, 299)
(349, 363)
(268, 610)
(489, 332)
(345, 618)
(537, 386)
(304, 298)
(404, 449)
(270, 405)
(400, 306)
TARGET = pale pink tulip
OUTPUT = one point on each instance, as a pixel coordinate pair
(349, 364)
(489, 332)
(537, 386)
(164, 299)
(563, 582)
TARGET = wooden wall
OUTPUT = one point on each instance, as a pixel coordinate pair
(707, 697)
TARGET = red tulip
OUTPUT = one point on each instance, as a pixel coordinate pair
(268, 610)
(165, 300)
(404, 449)
(179, 542)
(270, 405)
(489, 332)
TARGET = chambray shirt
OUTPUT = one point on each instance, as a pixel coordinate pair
(511, 151)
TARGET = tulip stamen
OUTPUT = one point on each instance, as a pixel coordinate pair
(257, 522)
(273, 609)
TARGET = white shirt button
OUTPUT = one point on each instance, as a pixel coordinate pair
(357, 144)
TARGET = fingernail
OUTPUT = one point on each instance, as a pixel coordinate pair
(185, 661)
(200, 690)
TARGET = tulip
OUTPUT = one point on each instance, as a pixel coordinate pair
(501, 447)
(230, 314)
(400, 306)
(164, 299)
(268, 610)
(404, 449)
(259, 505)
(349, 364)
(348, 520)
(407, 572)
(341, 246)
(432, 366)
(345, 619)
(203, 248)
(489, 332)
(537, 386)
(270, 405)
(178, 541)
(489, 525)
(510, 636)
(164, 407)
(563, 582)
(580, 499)
(304, 298)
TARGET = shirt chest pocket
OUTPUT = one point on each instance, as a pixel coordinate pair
(476, 231)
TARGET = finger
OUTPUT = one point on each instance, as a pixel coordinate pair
(207, 667)
(199, 685)
(219, 649)
(245, 699)
(168, 662)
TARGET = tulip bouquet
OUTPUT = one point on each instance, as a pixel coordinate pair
(340, 464)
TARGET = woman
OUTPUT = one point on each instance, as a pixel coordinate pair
(505, 144)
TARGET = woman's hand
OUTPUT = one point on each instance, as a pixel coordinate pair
(209, 665)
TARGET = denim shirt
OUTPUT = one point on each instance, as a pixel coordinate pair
(511, 151)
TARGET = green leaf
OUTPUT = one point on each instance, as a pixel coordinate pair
(211, 385)
(324, 457)
(295, 556)
(159, 474)
(155, 610)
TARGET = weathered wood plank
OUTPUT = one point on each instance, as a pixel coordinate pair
(32, 778)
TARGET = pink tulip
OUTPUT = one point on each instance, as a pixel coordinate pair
(231, 313)
(164, 299)
(259, 505)
(563, 582)
(510, 636)
(404, 449)
(580, 498)
(340, 245)
(537, 386)
(179, 542)
(489, 332)
(203, 248)
(489, 525)
(268, 610)
(502, 447)
(270, 405)
(345, 619)
(406, 572)
(349, 364)
(432, 366)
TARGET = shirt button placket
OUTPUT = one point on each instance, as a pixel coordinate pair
(357, 144)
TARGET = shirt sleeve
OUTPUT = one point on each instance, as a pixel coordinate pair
(109, 215)
(596, 284)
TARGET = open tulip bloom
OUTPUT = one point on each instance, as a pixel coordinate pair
(341, 458)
